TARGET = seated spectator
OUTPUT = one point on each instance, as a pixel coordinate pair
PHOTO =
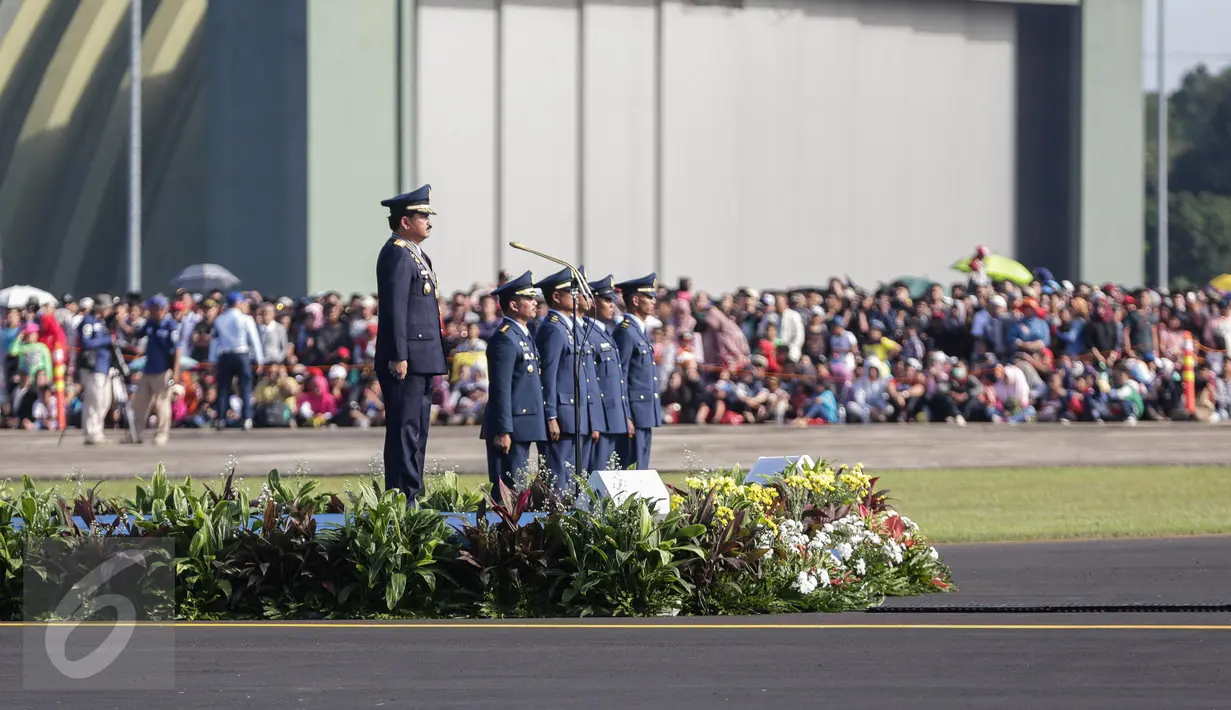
(274, 397)
(879, 348)
(468, 397)
(869, 395)
(1012, 392)
(316, 405)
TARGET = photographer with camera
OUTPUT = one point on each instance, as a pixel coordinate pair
(94, 369)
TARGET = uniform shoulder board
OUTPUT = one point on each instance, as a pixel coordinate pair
(504, 328)
(401, 243)
(624, 323)
(555, 318)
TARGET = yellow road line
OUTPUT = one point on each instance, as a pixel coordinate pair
(489, 625)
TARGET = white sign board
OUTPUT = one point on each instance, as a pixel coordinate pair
(619, 486)
(767, 467)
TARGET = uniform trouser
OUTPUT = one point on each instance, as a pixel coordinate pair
(508, 468)
(153, 389)
(634, 450)
(232, 365)
(408, 413)
(562, 463)
(96, 398)
(601, 451)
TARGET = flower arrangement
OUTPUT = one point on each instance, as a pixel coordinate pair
(823, 538)
(819, 538)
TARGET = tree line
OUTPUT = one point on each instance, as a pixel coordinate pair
(1199, 177)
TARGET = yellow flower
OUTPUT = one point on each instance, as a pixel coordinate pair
(724, 515)
(676, 501)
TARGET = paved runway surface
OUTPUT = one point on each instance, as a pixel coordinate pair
(347, 451)
(852, 660)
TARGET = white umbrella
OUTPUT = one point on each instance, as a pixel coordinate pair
(19, 296)
(205, 277)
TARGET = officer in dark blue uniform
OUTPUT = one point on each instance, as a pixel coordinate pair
(558, 340)
(640, 373)
(612, 423)
(94, 370)
(513, 418)
(162, 341)
(409, 350)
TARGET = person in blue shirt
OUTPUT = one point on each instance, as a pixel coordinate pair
(612, 421)
(567, 408)
(162, 339)
(640, 372)
(513, 419)
(94, 370)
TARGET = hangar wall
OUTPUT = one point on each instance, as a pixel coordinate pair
(777, 143)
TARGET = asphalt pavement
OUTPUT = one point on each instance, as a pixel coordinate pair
(326, 452)
(1123, 660)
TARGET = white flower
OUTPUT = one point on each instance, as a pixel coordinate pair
(822, 577)
(791, 534)
(933, 553)
(805, 583)
(893, 551)
(844, 550)
(818, 542)
(892, 514)
(860, 567)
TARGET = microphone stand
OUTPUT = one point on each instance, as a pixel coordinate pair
(578, 353)
(579, 288)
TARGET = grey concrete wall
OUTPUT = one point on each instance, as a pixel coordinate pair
(352, 139)
(1112, 136)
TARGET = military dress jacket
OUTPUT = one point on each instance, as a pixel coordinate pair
(640, 374)
(613, 414)
(408, 327)
(515, 388)
(557, 345)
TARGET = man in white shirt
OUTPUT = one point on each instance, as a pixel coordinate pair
(234, 345)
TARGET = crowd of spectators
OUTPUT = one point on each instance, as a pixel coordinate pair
(971, 352)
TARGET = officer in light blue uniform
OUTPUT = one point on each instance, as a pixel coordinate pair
(640, 373)
(559, 341)
(613, 423)
(513, 419)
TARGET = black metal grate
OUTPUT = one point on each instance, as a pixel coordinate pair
(1053, 609)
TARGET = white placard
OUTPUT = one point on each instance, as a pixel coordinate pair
(619, 486)
(767, 467)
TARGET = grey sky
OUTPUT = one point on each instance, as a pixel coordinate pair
(1196, 32)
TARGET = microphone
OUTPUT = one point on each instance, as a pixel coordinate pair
(582, 285)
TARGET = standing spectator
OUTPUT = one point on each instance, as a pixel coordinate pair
(490, 317)
(161, 334)
(95, 371)
(842, 347)
(275, 342)
(790, 325)
(32, 355)
(234, 342)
